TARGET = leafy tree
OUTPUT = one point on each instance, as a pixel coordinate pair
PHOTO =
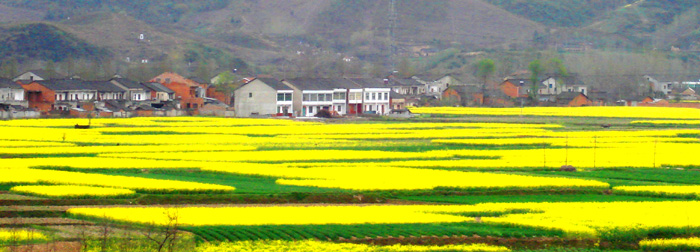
(406, 69)
(536, 70)
(484, 71)
(556, 66)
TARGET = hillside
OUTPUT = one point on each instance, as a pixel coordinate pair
(657, 23)
(274, 35)
(41, 41)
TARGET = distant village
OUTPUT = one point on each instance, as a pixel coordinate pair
(38, 94)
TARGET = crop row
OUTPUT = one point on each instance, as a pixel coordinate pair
(336, 232)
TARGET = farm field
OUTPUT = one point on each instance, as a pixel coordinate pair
(451, 179)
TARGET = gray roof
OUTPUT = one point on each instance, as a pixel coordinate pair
(198, 80)
(370, 82)
(78, 84)
(405, 82)
(7, 83)
(322, 83)
(130, 84)
(571, 79)
(45, 74)
(274, 83)
(158, 87)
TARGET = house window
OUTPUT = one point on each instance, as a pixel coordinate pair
(339, 108)
(314, 97)
(374, 96)
(307, 97)
(366, 96)
(551, 86)
(250, 95)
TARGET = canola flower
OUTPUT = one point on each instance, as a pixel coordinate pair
(33, 176)
(678, 244)
(71, 191)
(314, 246)
(579, 219)
(277, 215)
(693, 191)
(20, 235)
(616, 112)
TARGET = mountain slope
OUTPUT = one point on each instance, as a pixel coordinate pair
(41, 41)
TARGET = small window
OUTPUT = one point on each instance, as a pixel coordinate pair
(167, 80)
(250, 95)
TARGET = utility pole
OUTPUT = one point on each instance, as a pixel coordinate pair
(393, 20)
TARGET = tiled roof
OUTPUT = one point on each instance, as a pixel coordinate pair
(77, 84)
(274, 83)
(158, 87)
(7, 83)
(130, 84)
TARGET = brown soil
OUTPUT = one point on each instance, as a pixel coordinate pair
(48, 247)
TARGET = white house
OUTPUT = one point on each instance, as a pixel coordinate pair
(554, 85)
(12, 93)
(376, 96)
(134, 91)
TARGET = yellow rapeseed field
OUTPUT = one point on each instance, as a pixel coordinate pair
(580, 219)
(20, 235)
(32, 176)
(678, 244)
(71, 191)
(314, 246)
(619, 112)
(660, 190)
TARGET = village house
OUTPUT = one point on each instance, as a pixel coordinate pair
(72, 93)
(407, 87)
(377, 96)
(265, 97)
(38, 75)
(557, 84)
(664, 87)
(316, 94)
(159, 93)
(516, 88)
(190, 93)
(435, 87)
(12, 94)
(39, 96)
(134, 91)
(573, 99)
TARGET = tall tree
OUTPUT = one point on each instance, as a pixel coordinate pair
(556, 66)
(484, 71)
(536, 70)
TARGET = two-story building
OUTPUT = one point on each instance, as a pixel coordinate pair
(190, 93)
(12, 94)
(376, 96)
(134, 91)
(557, 84)
(316, 94)
(159, 93)
(265, 97)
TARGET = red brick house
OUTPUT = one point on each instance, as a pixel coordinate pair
(189, 92)
(573, 99)
(39, 97)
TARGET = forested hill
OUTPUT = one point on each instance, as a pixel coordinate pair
(275, 33)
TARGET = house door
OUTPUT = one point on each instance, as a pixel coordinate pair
(303, 112)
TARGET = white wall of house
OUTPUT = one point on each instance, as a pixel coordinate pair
(11, 94)
(285, 102)
(255, 99)
(340, 101)
(139, 95)
(81, 95)
(377, 100)
(316, 100)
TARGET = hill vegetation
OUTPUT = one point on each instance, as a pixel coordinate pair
(43, 41)
(311, 37)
